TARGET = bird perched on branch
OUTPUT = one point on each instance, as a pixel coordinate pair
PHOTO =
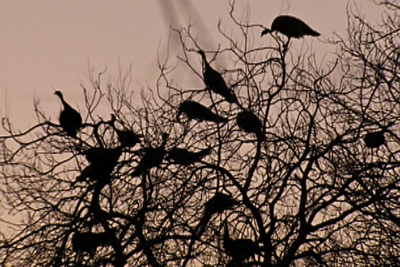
(70, 119)
(152, 157)
(376, 139)
(127, 138)
(196, 111)
(239, 249)
(102, 162)
(88, 241)
(214, 81)
(250, 123)
(291, 27)
(184, 157)
(217, 204)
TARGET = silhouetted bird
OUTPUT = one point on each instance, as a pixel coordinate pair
(102, 162)
(239, 249)
(214, 81)
(105, 158)
(217, 204)
(184, 157)
(152, 157)
(196, 111)
(70, 119)
(127, 138)
(88, 242)
(291, 27)
(250, 123)
(376, 139)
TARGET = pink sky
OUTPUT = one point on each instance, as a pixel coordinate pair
(47, 45)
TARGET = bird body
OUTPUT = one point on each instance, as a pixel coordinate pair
(105, 158)
(291, 27)
(376, 139)
(184, 157)
(239, 249)
(127, 138)
(102, 162)
(250, 123)
(217, 204)
(196, 111)
(88, 242)
(152, 157)
(214, 81)
(70, 119)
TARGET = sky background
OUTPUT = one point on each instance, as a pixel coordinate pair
(47, 45)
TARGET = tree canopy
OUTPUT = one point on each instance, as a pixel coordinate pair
(286, 162)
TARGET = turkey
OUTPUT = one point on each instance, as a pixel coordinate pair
(217, 204)
(184, 157)
(376, 139)
(291, 27)
(239, 249)
(250, 123)
(214, 81)
(102, 162)
(196, 111)
(88, 242)
(127, 138)
(70, 119)
(152, 157)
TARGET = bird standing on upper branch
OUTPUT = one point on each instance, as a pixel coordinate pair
(291, 27)
(214, 81)
(127, 138)
(70, 119)
(250, 123)
(152, 157)
(102, 162)
(198, 112)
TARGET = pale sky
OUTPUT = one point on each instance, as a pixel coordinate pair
(47, 45)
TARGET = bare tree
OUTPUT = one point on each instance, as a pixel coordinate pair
(272, 161)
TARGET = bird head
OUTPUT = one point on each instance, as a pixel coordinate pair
(112, 120)
(265, 31)
(59, 94)
(202, 54)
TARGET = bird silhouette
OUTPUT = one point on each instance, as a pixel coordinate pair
(70, 119)
(217, 204)
(102, 162)
(152, 157)
(376, 139)
(214, 81)
(127, 138)
(291, 27)
(88, 241)
(196, 111)
(184, 157)
(250, 123)
(239, 249)
(105, 158)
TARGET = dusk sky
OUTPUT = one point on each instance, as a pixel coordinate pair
(49, 45)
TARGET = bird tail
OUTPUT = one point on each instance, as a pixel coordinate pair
(314, 33)
(204, 152)
(231, 98)
(219, 119)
